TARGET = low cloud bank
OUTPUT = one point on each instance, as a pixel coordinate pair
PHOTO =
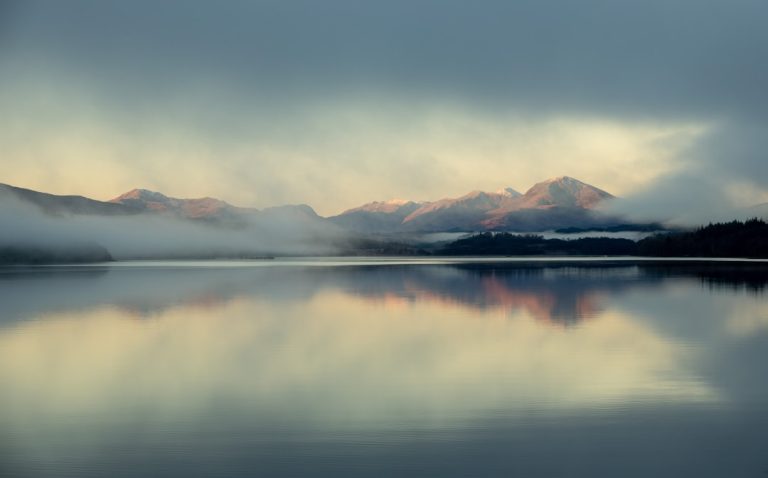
(146, 236)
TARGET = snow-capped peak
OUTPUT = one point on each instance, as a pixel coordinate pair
(396, 202)
(141, 194)
(387, 206)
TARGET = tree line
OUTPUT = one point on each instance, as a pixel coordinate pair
(730, 239)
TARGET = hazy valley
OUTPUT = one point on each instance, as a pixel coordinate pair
(141, 224)
(147, 224)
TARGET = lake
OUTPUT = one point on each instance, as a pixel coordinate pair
(376, 367)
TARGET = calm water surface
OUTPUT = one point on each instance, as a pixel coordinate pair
(385, 368)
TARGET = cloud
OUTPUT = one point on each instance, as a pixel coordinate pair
(720, 176)
(341, 102)
(333, 155)
(602, 55)
(150, 236)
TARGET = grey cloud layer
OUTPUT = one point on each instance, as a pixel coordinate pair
(652, 60)
(673, 57)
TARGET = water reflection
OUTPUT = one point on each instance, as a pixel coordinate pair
(94, 361)
(553, 293)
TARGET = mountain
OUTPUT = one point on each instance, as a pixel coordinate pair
(210, 209)
(377, 216)
(295, 211)
(207, 208)
(145, 202)
(463, 213)
(563, 191)
(45, 228)
(42, 248)
(401, 215)
(551, 204)
(55, 205)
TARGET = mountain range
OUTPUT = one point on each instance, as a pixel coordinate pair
(551, 204)
(555, 203)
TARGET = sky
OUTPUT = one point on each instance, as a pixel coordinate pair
(341, 102)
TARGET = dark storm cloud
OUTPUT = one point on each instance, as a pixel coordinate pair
(655, 60)
(655, 57)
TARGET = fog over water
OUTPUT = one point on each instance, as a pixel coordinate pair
(151, 235)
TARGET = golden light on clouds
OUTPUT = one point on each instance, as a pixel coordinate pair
(332, 155)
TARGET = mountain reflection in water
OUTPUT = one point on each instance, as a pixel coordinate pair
(396, 369)
(557, 293)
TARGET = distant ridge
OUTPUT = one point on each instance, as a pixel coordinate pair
(551, 204)
(63, 205)
(562, 202)
(548, 204)
(144, 200)
(376, 216)
(563, 191)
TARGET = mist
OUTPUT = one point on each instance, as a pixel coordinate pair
(146, 236)
(720, 177)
